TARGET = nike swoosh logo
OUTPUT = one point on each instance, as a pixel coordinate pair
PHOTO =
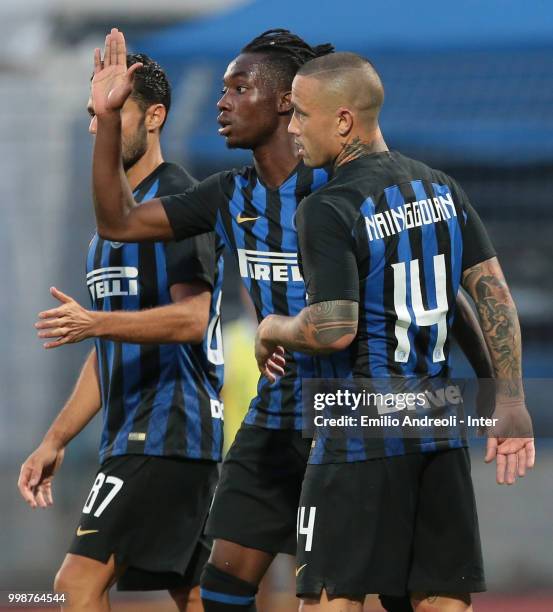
(298, 570)
(241, 219)
(82, 532)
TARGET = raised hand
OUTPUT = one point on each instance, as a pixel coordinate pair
(67, 323)
(37, 474)
(112, 81)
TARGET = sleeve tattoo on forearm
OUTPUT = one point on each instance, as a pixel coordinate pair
(499, 320)
(326, 322)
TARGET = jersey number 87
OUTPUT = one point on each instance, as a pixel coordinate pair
(116, 485)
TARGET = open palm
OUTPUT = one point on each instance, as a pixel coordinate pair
(112, 81)
(37, 474)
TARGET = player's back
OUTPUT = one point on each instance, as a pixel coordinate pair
(393, 235)
(406, 224)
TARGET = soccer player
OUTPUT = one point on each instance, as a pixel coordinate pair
(384, 247)
(142, 522)
(255, 507)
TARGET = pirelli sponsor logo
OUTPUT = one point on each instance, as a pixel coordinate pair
(113, 281)
(269, 266)
(411, 214)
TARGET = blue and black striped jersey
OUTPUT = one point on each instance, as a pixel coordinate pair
(395, 236)
(158, 399)
(257, 225)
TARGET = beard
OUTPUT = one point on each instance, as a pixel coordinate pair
(135, 147)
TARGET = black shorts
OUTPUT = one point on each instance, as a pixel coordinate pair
(256, 500)
(390, 526)
(149, 512)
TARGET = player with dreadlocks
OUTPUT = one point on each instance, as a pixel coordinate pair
(255, 507)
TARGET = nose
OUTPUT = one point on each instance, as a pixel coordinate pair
(224, 102)
(93, 125)
(293, 125)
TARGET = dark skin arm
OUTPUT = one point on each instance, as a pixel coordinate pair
(511, 443)
(318, 329)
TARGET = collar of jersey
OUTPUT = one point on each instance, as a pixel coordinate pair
(288, 178)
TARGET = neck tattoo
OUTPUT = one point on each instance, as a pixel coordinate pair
(355, 149)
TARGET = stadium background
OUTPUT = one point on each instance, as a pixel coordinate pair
(469, 89)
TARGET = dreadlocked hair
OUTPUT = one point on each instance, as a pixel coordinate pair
(285, 53)
(150, 84)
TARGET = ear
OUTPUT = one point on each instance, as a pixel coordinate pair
(285, 103)
(155, 116)
(344, 121)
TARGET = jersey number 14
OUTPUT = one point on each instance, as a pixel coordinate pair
(423, 318)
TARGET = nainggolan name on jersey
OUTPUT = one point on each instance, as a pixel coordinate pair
(112, 281)
(265, 265)
(411, 214)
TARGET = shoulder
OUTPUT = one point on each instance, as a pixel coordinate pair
(323, 200)
(447, 183)
(414, 169)
(420, 170)
(226, 181)
(174, 175)
(328, 210)
(213, 187)
(173, 179)
(339, 197)
(433, 174)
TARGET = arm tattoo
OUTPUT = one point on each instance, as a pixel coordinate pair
(467, 331)
(356, 148)
(325, 323)
(499, 320)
